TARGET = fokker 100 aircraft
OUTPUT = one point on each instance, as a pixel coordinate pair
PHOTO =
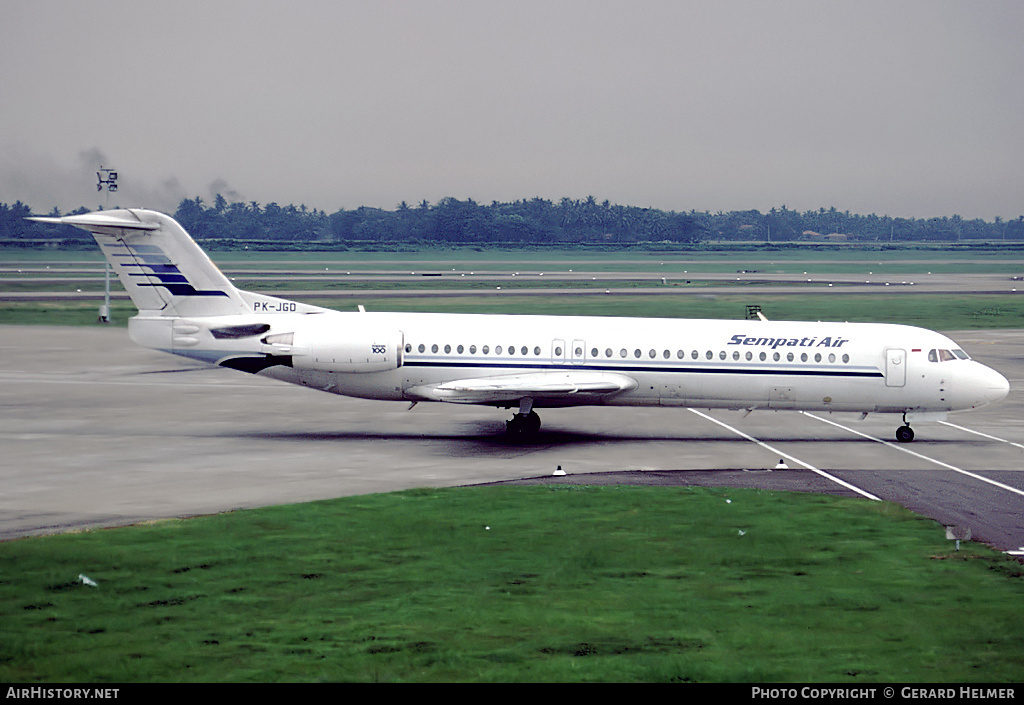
(188, 307)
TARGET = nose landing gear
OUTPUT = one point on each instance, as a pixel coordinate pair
(905, 434)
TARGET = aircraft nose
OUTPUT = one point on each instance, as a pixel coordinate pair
(994, 386)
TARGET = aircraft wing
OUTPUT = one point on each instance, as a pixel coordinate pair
(569, 386)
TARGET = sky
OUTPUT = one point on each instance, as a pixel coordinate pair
(907, 108)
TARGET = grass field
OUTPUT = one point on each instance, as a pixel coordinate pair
(517, 584)
(942, 312)
(936, 312)
(794, 261)
(532, 584)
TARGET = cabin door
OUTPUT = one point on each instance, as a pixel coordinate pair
(895, 367)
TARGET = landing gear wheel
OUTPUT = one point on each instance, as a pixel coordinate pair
(904, 434)
(523, 424)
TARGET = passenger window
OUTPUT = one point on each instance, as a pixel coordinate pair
(709, 355)
(485, 349)
(460, 349)
(422, 348)
(433, 348)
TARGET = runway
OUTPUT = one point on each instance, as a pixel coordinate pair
(99, 432)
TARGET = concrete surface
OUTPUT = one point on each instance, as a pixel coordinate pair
(95, 431)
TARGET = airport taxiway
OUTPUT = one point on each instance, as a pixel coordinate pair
(99, 432)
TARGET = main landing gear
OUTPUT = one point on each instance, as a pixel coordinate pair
(524, 423)
(905, 434)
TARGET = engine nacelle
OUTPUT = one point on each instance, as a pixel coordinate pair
(351, 349)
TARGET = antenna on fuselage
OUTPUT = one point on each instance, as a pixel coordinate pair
(754, 313)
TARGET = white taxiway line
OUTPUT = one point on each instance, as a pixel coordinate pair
(778, 452)
(967, 473)
(979, 433)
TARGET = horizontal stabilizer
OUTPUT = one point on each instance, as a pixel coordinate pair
(160, 266)
(125, 219)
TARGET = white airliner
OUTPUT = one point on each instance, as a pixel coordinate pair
(188, 307)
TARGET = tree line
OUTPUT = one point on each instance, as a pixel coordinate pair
(536, 221)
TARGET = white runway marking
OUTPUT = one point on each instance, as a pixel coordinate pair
(895, 446)
(778, 452)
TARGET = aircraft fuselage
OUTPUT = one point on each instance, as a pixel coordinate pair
(862, 367)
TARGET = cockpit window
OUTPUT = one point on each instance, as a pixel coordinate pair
(946, 355)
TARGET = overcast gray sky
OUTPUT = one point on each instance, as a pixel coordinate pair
(896, 107)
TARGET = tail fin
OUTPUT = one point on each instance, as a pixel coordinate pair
(162, 268)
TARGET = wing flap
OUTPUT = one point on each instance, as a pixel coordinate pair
(567, 386)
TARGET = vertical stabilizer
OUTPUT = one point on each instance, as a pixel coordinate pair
(162, 268)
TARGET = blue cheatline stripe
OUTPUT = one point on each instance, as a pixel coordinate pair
(569, 367)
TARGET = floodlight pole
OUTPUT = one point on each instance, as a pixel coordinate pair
(108, 178)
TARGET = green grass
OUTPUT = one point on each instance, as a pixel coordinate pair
(566, 584)
(792, 261)
(936, 312)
